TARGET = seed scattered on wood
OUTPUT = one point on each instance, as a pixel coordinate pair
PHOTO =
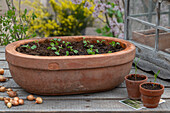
(6, 101)
(21, 101)
(39, 100)
(2, 98)
(9, 89)
(2, 89)
(9, 104)
(1, 71)
(16, 98)
(30, 97)
(3, 79)
(15, 103)
(12, 93)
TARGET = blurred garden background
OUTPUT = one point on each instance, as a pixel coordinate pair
(23, 19)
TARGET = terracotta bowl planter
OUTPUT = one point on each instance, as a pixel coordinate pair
(151, 98)
(61, 75)
(133, 86)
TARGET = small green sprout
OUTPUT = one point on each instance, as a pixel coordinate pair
(97, 50)
(102, 41)
(67, 43)
(33, 47)
(98, 41)
(90, 50)
(37, 41)
(57, 53)
(113, 43)
(52, 44)
(27, 46)
(109, 51)
(48, 47)
(63, 42)
(156, 75)
(136, 62)
(54, 48)
(75, 51)
(85, 42)
(56, 40)
(59, 40)
(67, 53)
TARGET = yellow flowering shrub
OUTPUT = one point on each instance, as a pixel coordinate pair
(69, 19)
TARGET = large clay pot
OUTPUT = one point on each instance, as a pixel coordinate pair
(133, 86)
(151, 98)
(61, 75)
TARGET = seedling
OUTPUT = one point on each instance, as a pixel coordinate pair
(100, 42)
(63, 42)
(156, 75)
(67, 43)
(85, 41)
(27, 46)
(52, 46)
(37, 42)
(90, 50)
(75, 51)
(109, 51)
(97, 51)
(113, 43)
(67, 53)
(56, 40)
(136, 62)
(57, 53)
(33, 47)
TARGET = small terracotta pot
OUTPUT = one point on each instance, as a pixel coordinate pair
(151, 98)
(133, 86)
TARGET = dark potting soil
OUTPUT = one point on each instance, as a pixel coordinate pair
(71, 49)
(151, 86)
(137, 78)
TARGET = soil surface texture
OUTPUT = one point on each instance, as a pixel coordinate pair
(151, 86)
(137, 78)
(64, 48)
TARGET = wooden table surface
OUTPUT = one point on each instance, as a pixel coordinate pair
(95, 102)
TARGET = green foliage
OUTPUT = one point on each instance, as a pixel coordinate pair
(68, 19)
(156, 75)
(136, 62)
(33, 47)
(27, 46)
(13, 28)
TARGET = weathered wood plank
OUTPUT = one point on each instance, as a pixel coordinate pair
(3, 64)
(115, 94)
(81, 106)
(2, 56)
(7, 73)
(10, 83)
(2, 49)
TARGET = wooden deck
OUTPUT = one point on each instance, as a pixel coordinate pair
(95, 102)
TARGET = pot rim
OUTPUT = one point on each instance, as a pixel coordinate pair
(20, 42)
(146, 78)
(102, 60)
(162, 86)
